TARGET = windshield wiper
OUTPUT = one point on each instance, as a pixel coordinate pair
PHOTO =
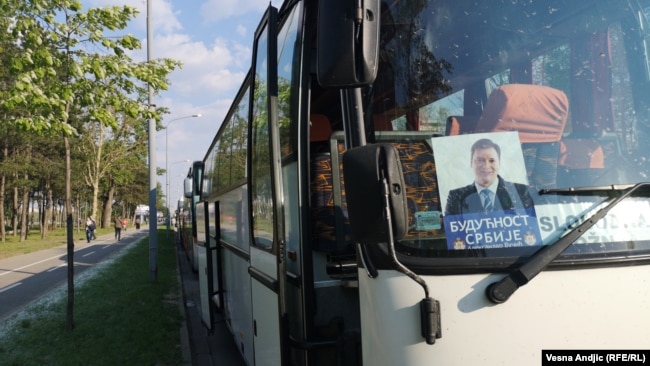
(500, 291)
(590, 190)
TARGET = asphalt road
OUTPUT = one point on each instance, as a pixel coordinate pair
(28, 277)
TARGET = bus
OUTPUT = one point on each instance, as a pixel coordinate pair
(338, 219)
(186, 213)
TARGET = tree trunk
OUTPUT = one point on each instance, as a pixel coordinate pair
(106, 217)
(46, 202)
(41, 213)
(78, 219)
(62, 210)
(49, 209)
(14, 212)
(24, 211)
(52, 211)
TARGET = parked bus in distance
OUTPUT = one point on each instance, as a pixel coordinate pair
(184, 226)
(432, 183)
(187, 226)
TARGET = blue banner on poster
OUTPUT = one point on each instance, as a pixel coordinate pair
(498, 229)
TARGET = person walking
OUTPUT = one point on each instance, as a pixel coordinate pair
(90, 229)
(118, 228)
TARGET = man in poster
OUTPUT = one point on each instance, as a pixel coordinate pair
(489, 192)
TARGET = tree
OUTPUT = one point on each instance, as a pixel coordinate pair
(67, 62)
(111, 155)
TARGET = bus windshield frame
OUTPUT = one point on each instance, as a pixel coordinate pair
(446, 78)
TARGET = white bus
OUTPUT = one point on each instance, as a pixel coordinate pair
(339, 219)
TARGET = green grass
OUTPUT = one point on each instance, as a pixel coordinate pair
(13, 246)
(120, 317)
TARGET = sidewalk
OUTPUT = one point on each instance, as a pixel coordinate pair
(200, 347)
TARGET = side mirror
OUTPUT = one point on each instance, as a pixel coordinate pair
(373, 178)
(348, 42)
(187, 187)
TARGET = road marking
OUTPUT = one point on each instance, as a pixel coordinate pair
(87, 254)
(31, 264)
(11, 286)
(41, 261)
(57, 267)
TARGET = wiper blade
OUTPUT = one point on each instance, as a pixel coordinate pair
(500, 291)
(589, 190)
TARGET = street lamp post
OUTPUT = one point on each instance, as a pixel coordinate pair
(153, 226)
(167, 162)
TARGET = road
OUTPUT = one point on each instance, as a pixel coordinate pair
(26, 278)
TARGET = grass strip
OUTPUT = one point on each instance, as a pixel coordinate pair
(120, 316)
(13, 246)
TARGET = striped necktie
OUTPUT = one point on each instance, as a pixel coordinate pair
(486, 197)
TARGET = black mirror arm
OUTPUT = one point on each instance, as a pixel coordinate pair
(371, 270)
(429, 308)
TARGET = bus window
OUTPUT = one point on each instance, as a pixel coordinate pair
(497, 80)
(599, 66)
(433, 117)
(553, 68)
(262, 183)
(287, 107)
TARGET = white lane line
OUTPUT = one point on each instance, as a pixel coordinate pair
(10, 286)
(57, 267)
(41, 261)
(87, 254)
(31, 264)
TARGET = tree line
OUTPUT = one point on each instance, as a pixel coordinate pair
(73, 115)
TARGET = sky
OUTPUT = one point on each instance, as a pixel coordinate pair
(213, 39)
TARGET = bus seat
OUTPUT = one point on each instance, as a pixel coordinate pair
(329, 227)
(320, 129)
(322, 201)
(420, 183)
(581, 162)
(577, 153)
(539, 114)
(382, 123)
(458, 125)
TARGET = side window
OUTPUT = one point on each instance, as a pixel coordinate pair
(433, 116)
(223, 157)
(274, 73)
(496, 81)
(212, 167)
(261, 181)
(226, 162)
(239, 142)
(553, 68)
(287, 77)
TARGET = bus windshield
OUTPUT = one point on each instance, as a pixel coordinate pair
(501, 112)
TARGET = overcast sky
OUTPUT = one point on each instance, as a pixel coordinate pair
(213, 39)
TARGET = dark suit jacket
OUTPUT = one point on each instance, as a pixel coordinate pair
(509, 196)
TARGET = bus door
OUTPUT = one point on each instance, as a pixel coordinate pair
(265, 198)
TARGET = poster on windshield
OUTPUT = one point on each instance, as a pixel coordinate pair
(484, 192)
